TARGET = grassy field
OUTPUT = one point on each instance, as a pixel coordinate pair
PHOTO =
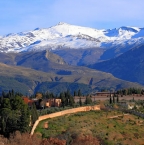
(125, 129)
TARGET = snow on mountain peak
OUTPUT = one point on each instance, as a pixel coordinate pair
(64, 35)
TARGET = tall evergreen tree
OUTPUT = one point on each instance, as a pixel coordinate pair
(71, 101)
(88, 100)
(79, 93)
(24, 119)
(62, 97)
(110, 101)
(117, 98)
(80, 101)
(75, 93)
(113, 99)
(34, 113)
(14, 115)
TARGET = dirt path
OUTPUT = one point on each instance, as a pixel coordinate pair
(117, 116)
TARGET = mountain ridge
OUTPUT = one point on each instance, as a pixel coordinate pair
(48, 53)
(128, 66)
(64, 35)
(29, 81)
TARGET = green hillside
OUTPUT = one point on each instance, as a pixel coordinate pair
(29, 80)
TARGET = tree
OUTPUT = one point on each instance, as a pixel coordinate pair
(71, 101)
(117, 98)
(34, 113)
(17, 103)
(14, 114)
(24, 119)
(75, 93)
(4, 114)
(88, 100)
(79, 93)
(62, 97)
(6, 103)
(110, 101)
(113, 99)
(1, 102)
(12, 93)
(80, 101)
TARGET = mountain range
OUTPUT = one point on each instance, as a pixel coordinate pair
(68, 36)
(128, 66)
(66, 55)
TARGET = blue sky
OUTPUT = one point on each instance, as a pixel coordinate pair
(24, 15)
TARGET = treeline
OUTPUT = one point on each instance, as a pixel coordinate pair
(51, 95)
(130, 91)
(114, 99)
(68, 100)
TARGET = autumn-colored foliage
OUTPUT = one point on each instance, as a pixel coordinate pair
(20, 139)
(53, 141)
(24, 139)
(86, 140)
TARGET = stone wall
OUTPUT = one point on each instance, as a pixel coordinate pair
(61, 113)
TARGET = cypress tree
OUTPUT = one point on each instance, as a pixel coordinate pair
(79, 93)
(71, 101)
(34, 113)
(80, 101)
(75, 93)
(3, 125)
(24, 119)
(88, 100)
(117, 98)
(62, 97)
(110, 101)
(113, 99)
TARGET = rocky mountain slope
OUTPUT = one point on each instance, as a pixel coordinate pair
(128, 66)
(81, 57)
(63, 36)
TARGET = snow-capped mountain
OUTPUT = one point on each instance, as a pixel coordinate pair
(64, 35)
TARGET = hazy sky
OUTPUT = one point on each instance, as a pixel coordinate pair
(24, 15)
